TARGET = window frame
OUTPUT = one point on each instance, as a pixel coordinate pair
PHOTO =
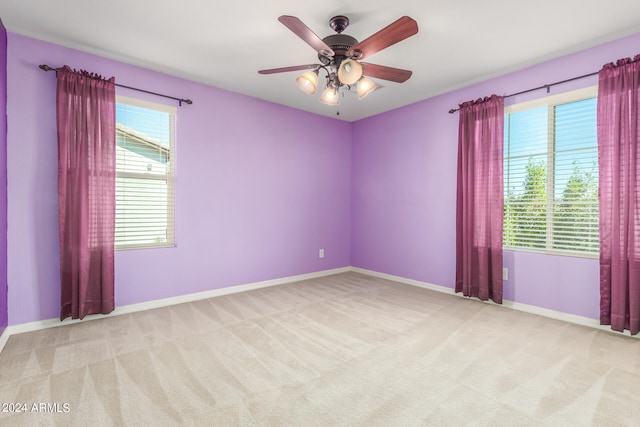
(549, 102)
(170, 177)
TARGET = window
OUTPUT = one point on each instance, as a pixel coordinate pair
(551, 175)
(145, 161)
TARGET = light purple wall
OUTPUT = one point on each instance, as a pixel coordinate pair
(3, 179)
(259, 188)
(404, 187)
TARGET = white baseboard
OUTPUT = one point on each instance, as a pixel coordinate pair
(532, 309)
(4, 337)
(404, 280)
(132, 308)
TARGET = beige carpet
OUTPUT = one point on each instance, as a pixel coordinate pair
(345, 350)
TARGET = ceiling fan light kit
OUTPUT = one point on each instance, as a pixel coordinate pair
(340, 56)
(349, 72)
(365, 87)
(308, 82)
(330, 96)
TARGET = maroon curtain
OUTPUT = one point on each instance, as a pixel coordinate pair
(86, 192)
(480, 199)
(619, 194)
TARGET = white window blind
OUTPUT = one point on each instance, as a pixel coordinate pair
(551, 175)
(145, 161)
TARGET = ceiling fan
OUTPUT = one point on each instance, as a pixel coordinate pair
(341, 57)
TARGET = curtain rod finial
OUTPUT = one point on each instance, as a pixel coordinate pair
(453, 110)
(45, 67)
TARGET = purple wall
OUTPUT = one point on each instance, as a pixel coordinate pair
(404, 187)
(259, 188)
(3, 179)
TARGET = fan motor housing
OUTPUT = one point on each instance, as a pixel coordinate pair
(340, 44)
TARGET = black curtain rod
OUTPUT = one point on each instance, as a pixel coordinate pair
(547, 86)
(45, 67)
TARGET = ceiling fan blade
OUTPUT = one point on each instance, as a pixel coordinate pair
(301, 30)
(391, 34)
(386, 73)
(286, 69)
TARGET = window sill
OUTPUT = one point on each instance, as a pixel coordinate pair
(137, 247)
(553, 252)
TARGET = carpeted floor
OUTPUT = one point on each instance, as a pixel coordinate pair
(344, 350)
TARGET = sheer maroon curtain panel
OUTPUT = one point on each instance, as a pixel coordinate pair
(480, 199)
(85, 113)
(619, 194)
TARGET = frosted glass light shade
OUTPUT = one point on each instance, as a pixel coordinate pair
(329, 96)
(308, 82)
(365, 87)
(349, 72)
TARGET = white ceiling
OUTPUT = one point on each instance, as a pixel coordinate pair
(224, 44)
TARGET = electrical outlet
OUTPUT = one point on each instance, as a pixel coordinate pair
(505, 273)
(321, 253)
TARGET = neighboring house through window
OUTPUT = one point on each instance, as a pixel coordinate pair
(551, 175)
(145, 162)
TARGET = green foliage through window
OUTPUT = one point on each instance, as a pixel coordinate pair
(551, 178)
